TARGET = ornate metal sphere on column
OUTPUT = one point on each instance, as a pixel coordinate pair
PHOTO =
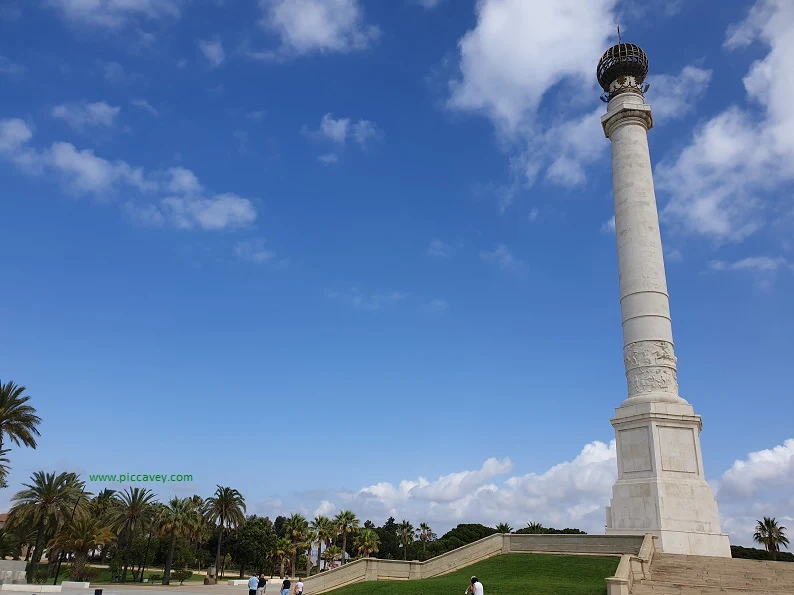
(661, 487)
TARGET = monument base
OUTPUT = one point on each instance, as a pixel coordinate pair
(661, 488)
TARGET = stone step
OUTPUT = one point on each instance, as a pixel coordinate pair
(652, 588)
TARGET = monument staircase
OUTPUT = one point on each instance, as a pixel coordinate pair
(672, 574)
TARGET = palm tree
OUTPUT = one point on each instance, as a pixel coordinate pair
(131, 514)
(346, 522)
(331, 554)
(424, 534)
(295, 530)
(771, 535)
(405, 532)
(281, 550)
(18, 421)
(535, 528)
(324, 530)
(504, 528)
(45, 503)
(177, 519)
(79, 536)
(368, 541)
(226, 509)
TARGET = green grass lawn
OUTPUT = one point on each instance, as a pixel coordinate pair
(513, 574)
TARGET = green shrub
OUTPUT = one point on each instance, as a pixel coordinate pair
(182, 575)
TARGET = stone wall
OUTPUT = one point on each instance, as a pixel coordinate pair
(372, 569)
(12, 571)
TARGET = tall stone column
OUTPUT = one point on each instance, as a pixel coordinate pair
(661, 487)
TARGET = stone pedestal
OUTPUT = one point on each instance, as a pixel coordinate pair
(661, 488)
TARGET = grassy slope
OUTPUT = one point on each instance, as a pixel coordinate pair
(535, 574)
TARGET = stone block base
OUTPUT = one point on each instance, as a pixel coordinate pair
(661, 488)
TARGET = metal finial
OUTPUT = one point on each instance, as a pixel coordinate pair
(619, 40)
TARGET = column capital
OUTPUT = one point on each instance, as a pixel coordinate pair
(626, 109)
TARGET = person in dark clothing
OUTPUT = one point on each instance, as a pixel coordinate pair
(285, 587)
(260, 590)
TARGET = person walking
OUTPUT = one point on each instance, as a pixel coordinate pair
(253, 584)
(260, 589)
(285, 587)
(299, 586)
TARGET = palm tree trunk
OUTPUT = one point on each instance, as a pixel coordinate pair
(344, 547)
(292, 561)
(218, 553)
(34, 559)
(319, 554)
(77, 566)
(405, 550)
(169, 559)
(309, 562)
(282, 567)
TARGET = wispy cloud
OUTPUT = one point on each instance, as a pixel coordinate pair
(608, 226)
(213, 51)
(367, 301)
(440, 249)
(339, 130)
(114, 13)
(504, 259)
(328, 158)
(9, 67)
(437, 306)
(763, 269)
(81, 115)
(254, 251)
(145, 105)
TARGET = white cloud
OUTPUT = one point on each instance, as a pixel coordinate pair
(115, 13)
(209, 213)
(334, 129)
(365, 131)
(437, 306)
(675, 96)
(116, 74)
(573, 493)
(439, 249)
(213, 51)
(339, 130)
(174, 196)
(505, 68)
(145, 105)
(763, 269)
(181, 180)
(723, 184)
(373, 301)
(254, 251)
(306, 26)
(84, 172)
(9, 67)
(256, 115)
(81, 115)
(533, 215)
(429, 4)
(609, 226)
(758, 485)
(326, 508)
(503, 258)
(505, 73)
(14, 133)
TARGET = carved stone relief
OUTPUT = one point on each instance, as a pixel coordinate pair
(650, 367)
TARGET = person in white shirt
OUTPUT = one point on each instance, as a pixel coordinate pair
(299, 586)
(476, 587)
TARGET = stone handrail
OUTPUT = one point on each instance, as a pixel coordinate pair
(632, 568)
(373, 569)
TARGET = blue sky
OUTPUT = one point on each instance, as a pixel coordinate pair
(323, 250)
